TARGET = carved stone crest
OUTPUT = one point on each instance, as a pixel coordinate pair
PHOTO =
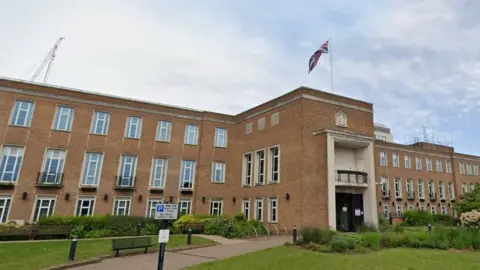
(341, 118)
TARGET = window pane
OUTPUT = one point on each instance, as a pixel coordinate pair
(22, 113)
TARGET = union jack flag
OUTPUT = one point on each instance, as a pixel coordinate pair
(316, 55)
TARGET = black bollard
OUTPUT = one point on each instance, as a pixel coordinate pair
(189, 236)
(429, 227)
(139, 228)
(294, 234)
(229, 230)
(73, 248)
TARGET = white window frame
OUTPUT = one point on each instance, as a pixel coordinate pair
(429, 164)
(386, 210)
(399, 210)
(191, 134)
(271, 209)
(19, 157)
(451, 191)
(96, 122)
(384, 186)
(152, 205)
(439, 165)
(60, 113)
(475, 169)
(135, 127)
(261, 123)
(128, 200)
(431, 188)
(421, 187)
(441, 190)
(472, 187)
(418, 163)
(409, 188)
(257, 208)
(122, 175)
(216, 205)
(421, 207)
(246, 208)
(57, 174)
(464, 188)
(183, 169)
(275, 119)
(90, 208)
(164, 131)
(14, 115)
(461, 165)
(259, 177)
(5, 208)
(85, 170)
(223, 167)
(40, 198)
(443, 210)
(398, 187)
(469, 169)
(433, 210)
(396, 160)
(247, 169)
(408, 163)
(411, 207)
(221, 137)
(181, 207)
(271, 171)
(160, 170)
(448, 166)
(383, 159)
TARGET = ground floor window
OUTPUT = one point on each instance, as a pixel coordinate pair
(399, 211)
(411, 207)
(434, 210)
(85, 206)
(422, 207)
(386, 211)
(152, 206)
(259, 209)
(4, 208)
(246, 208)
(272, 210)
(444, 210)
(121, 207)
(185, 206)
(44, 207)
(216, 207)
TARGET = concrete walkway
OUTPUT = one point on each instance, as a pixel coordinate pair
(182, 259)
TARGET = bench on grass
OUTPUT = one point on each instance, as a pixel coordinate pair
(131, 243)
(32, 231)
(196, 227)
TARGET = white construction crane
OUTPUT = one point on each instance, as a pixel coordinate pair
(48, 60)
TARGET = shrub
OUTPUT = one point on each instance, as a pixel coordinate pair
(322, 248)
(239, 217)
(318, 236)
(418, 218)
(367, 228)
(444, 220)
(339, 244)
(371, 240)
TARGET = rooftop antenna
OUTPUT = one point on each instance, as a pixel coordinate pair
(47, 62)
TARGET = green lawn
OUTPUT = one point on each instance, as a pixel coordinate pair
(391, 259)
(39, 255)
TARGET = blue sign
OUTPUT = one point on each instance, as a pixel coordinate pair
(160, 208)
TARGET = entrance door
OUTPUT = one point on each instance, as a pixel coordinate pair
(349, 209)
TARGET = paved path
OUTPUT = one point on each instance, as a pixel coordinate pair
(182, 259)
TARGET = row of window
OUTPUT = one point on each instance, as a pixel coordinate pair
(22, 114)
(411, 191)
(257, 166)
(421, 207)
(274, 120)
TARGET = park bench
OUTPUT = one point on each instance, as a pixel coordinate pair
(131, 243)
(196, 227)
(32, 231)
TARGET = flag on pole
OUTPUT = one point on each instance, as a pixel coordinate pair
(316, 55)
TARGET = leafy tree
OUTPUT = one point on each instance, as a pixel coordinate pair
(470, 201)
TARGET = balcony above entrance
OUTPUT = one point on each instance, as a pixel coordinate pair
(351, 178)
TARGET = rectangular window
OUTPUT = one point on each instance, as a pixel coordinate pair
(472, 187)
(152, 206)
(121, 207)
(448, 166)
(5, 202)
(454, 212)
(421, 195)
(92, 166)
(418, 163)
(385, 191)
(422, 207)
(247, 169)
(100, 122)
(127, 171)
(261, 123)
(431, 189)
(441, 190)
(275, 119)
(429, 164)
(444, 210)
(381, 137)
(410, 189)
(396, 160)
(248, 128)
(469, 169)
(434, 210)
(383, 159)
(272, 210)
(216, 207)
(246, 208)
(398, 187)
(260, 167)
(259, 209)
(439, 166)
(461, 165)
(399, 210)
(475, 169)
(85, 206)
(22, 113)
(52, 167)
(411, 207)
(464, 189)
(10, 163)
(133, 128)
(386, 211)
(44, 207)
(451, 191)
(218, 172)
(220, 137)
(191, 134)
(164, 129)
(63, 118)
(408, 165)
(274, 161)
(159, 172)
(187, 175)
(185, 206)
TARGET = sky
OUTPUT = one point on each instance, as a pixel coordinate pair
(417, 61)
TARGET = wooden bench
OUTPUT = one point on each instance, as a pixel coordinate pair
(32, 231)
(196, 227)
(131, 243)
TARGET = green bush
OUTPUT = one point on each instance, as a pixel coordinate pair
(419, 218)
(444, 220)
(339, 244)
(322, 248)
(371, 240)
(318, 236)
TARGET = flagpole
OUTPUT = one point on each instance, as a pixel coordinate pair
(331, 63)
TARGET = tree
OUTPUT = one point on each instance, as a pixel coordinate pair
(470, 201)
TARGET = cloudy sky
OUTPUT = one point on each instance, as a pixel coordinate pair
(417, 61)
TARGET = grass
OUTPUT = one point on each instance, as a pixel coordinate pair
(39, 255)
(392, 259)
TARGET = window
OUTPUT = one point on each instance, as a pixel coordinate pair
(274, 161)
(261, 123)
(386, 211)
(469, 169)
(52, 167)
(133, 128)
(381, 137)
(453, 212)
(218, 172)
(422, 207)
(164, 129)
(260, 167)
(472, 187)
(185, 206)
(418, 163)
(259, 209)
(187, 174)
(398, 187)
(272, 210)
(247, 169)
(444, 210)
(10, 163)
(44, 207)
(434, 210)
(159, 172)
(121, 207)
(395, 159)
(216, 207)
(429, 164)
(408, 165)
(248, 128)
(100, 123)
(421, 195)
(85, 206)
(451, 191)
(246, 208)
(63, 118)
(410, 188)
(22, 113)
(220, 137)
(462, 167)
(475, 169)
(439, 166)
(383, 159)
(464, 189)
(441, 190)
(385, 191)
(275, 119)
(127, 171)
(152, 206)
(431, 189)
(399, 210)
(411, 207)
(92, 165)
(4, 208)
(448, 166)
(191, 134)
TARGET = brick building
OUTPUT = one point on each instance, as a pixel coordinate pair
(307, 158)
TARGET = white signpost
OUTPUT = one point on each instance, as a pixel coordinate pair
(164, 212)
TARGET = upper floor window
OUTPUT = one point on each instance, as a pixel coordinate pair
(248, 128)
(92, 165)
(439, 166)
(259, 167)
(429, 164)
(247, 169)
(10, 163)
(52, 168)
(22, 113)
(418, 163)
(475, 169)
(191, 134)
(461, 165)
(261, 123)
(159, 172)
(164, 129)
(384, 187)
(275, 119)
(420, 189)
(408, 164)
(133, 128)
(469, 169)
(381, 137)
(441, 190)
(187, 174)
(274, 161)
(448, 166)
(63, 118)
(218, 172)
(127, 171)
(398, 187)
(451, 191)
(100, 123)
(395, 159)
(220, 137)
(383, 159)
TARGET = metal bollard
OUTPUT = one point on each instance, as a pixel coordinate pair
(429, 227)
(294, 234)
(73, 248)
(229, 230)
(139, 228)
(189, 236)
